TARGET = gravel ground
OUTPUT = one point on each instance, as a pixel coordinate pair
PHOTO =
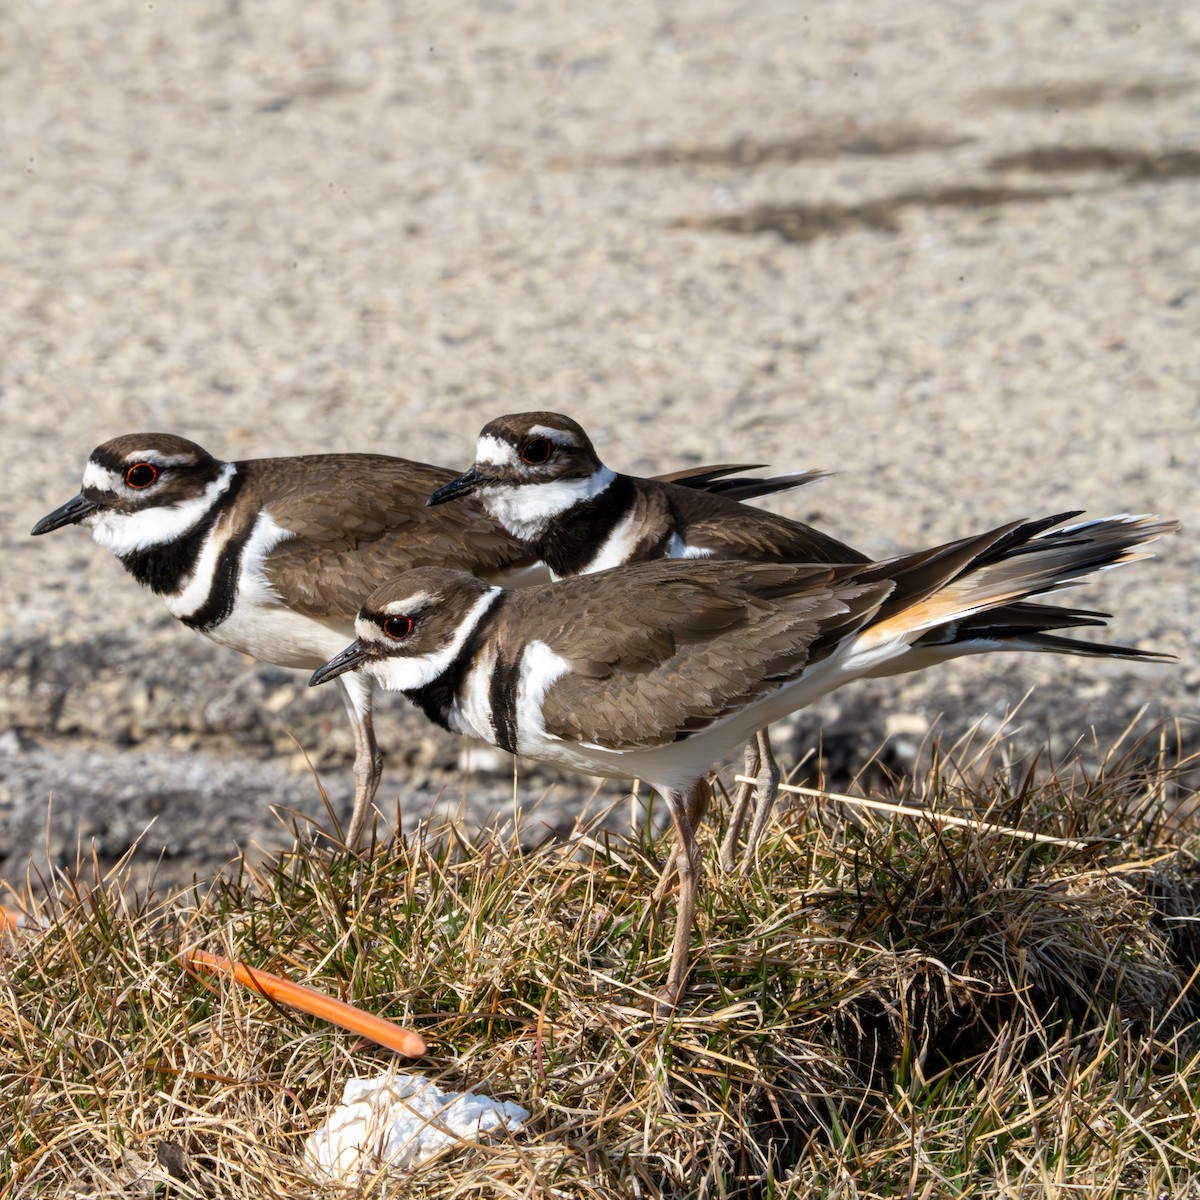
(947, 251)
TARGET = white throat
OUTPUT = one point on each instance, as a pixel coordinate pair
(129, 532)
(526, 510)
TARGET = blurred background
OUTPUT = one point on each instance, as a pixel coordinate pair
(947, 251)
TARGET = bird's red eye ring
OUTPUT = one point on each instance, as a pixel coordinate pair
(398, 628)
(537, 451)
(141, 475)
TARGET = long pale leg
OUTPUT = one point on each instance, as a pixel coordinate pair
(761, 766)
(768, 789)
(698, 801)
(727, 856)
(687, 863)
(358, 694)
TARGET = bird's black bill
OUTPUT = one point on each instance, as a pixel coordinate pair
(70, 513)
(339, 664)
(468, 482)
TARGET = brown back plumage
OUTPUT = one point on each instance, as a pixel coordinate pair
(381, 527)
(729, 529)
(360, 519)
(685, 644)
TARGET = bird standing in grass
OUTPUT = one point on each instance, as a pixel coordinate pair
(538, 475)
(659, 670)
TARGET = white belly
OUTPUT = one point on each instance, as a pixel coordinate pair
(278, 635)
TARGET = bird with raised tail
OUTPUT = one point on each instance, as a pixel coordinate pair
(273, 556)
(659, 670)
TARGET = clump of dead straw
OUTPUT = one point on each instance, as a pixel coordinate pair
(883, 1007)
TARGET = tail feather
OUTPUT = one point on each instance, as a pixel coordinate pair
(1047, 560)
(973, 594)
(745, 487)
(1024, 626)
(1016, 620)
(1019, 534)
(1049, 642)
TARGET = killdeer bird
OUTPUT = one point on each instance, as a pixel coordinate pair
(539, 476)
(273, 556)
(659, 670)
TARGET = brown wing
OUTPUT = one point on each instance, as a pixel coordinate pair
(728, 529)
(360, 519)
(664, 648)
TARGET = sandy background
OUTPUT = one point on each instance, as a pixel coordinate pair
(946, 250)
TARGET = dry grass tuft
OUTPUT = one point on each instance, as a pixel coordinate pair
(882, 1008)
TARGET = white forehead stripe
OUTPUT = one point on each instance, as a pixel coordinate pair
(493, 452)
(158, 458)
(368, 630)
(101, 479)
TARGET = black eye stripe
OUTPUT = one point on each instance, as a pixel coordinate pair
(108, 460)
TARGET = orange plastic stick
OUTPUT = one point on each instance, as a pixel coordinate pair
(14, 918)
(297, 995)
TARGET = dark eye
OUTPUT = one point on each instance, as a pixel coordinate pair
(398, 627)
(141, 475)
(537, 451)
